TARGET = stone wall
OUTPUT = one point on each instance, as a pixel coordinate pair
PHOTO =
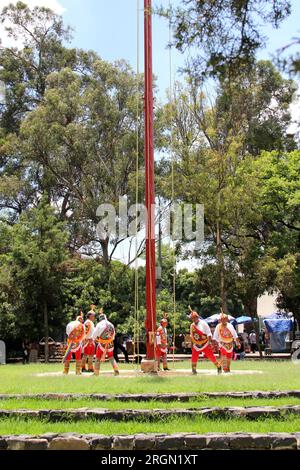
(167, 397)
(180, 441)
(99, 414)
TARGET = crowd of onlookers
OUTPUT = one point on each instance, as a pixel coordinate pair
(249, 342)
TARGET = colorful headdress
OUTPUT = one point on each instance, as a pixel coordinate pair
(102, 315)
(164, 319)
(223, 316)
(91, 312)
(193, 314)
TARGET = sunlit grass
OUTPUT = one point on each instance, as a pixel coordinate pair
(38, 404)
(277, 375)
(168, 426)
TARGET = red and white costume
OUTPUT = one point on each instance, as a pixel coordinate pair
(75, 331)
(201, 336)
(104, 335)
(225, 335)
(89, 347)
(76, 350)
(161, 348)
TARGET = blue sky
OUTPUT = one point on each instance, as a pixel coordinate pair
(109, 27)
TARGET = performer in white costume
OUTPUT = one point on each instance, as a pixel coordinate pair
(76, 332)
(226, 335)
(104, 335)
(88, 348)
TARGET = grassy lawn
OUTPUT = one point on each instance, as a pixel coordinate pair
(168, 426)
(32, 404)
(19, 379)
(277, 375)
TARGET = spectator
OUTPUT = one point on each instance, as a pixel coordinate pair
(34, 352)
(241, 350)
(245, 337)
(25, 350)
(118, 345)
(253, 341)
(262, 338)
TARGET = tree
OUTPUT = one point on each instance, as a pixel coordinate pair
(33, 262)
(277, 197)
(82, 138)
(224, 35)
(24, 70)
(211, 142)
(40, 35)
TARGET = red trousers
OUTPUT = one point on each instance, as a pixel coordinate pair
(161, 354)
(89, 349)
(207, 351)
(76, 354)
(101, 350)
(226, 353)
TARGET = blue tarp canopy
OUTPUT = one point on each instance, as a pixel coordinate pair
(278, 324)
(214, 319)
(244, 319)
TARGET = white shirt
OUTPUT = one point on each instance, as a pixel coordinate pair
(204, 327)
(158, 336)
(100, 328)
(92, 328)
(71, 326)
(252, 338)
(230, 328)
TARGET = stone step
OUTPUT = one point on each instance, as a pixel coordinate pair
(165, 397)
(100, 414)
(179, 441)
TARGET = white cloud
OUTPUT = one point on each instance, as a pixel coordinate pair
(54, 5)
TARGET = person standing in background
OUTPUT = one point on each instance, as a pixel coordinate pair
(253, 341)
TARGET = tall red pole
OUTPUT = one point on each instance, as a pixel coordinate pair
(150, 189)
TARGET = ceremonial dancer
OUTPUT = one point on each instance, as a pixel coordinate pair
(104, 335)
(76, 333)
(226, 335)
(162, 343)
(201, 338)
(88, 348)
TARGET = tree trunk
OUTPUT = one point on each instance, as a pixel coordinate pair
(46, 330)
(221, 266)
(105, 254)
(250, 308)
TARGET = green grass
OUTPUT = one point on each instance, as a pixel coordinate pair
(29, 403)
(277, 375)
(19, 379)
(169, 426)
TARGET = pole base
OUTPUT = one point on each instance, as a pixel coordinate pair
(149, 366)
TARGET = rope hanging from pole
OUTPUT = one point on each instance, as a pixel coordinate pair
(172, 179)
(136, 337)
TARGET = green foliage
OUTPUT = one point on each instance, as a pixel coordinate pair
(224, 34)
(24, 71)
(31, 276)
(87, 281)
(68, 143)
